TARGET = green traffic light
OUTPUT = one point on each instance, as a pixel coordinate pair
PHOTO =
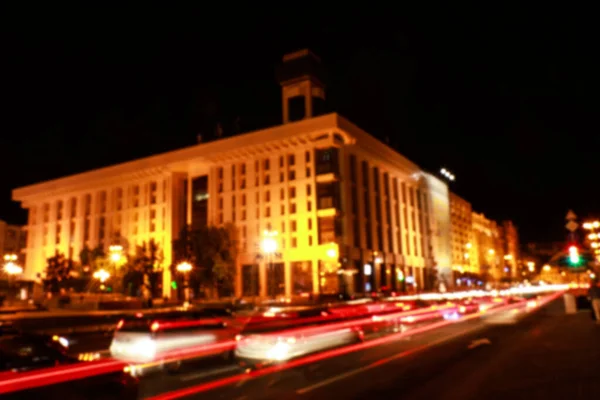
(574, 259)
(174, 285)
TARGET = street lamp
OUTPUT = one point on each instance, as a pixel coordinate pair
(268, 246)
(10, 265)
(102, 275)
(185, 268)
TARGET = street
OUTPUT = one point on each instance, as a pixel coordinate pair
(548, 355)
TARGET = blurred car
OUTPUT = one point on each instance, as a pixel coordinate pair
(292, 333)
(160, 341)
(21, 351)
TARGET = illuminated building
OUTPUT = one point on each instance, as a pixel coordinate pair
(441, 228)
(12, 239)
(461, 236)
(510, 236)
(349, 212)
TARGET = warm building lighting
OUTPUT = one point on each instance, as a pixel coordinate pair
(468, 245)
(491, 251)
(547, 268)
(10, 257)
(332, 252)
(508, 257)
(116, 253)
(268, 244)
(13, 269)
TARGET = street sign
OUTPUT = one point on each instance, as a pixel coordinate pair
(571, 216)
(572, 226)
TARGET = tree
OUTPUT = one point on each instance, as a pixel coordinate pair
(58, 271)
(89, 257)
(213, 252)
(140, 267)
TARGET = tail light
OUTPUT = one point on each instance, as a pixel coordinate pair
(155, 326)
(120, 324)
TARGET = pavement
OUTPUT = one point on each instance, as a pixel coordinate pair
(548, 355)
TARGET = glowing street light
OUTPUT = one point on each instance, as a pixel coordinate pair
(10, 265)
(116, 253)
(547, 268)
(448, 174)
(184, 267)
(102, 275)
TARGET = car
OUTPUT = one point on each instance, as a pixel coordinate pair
(292, 333)
(20, 351)
(159, 341)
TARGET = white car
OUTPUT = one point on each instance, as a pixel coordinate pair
(296, 334)
(162, 340)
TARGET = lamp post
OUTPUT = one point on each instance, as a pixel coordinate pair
(102, 275)
(11, 268)
(185, 268)
(268, 247)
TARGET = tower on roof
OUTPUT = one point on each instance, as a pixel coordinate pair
(301, 78)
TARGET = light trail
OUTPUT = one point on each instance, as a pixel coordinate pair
(344, 350)
(60, 374)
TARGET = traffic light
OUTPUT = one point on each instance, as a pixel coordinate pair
(574, 257)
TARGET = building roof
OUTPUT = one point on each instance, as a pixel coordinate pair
(241, 147)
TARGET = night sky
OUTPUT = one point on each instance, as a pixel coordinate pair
(507, 100)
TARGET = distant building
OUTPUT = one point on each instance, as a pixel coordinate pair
(461, 236)
(512, 253)
(349, 211)
(441, 228)
(13, 239)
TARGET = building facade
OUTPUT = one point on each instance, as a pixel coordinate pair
(347, 212)
(463, 260)
(13, 239)
(441, 228)
(511, 248)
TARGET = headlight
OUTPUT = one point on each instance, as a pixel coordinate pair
(64, 342)
(279, 351)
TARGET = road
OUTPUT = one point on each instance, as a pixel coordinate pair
(469, 360)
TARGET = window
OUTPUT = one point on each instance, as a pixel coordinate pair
(292, 193)
(326, 230)
(302, 277)
(327, 161)
(308, 190)
(307, 156)
(308, 172)
(291, 160)
(292, 175)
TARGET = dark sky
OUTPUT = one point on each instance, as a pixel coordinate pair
(506, 99)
